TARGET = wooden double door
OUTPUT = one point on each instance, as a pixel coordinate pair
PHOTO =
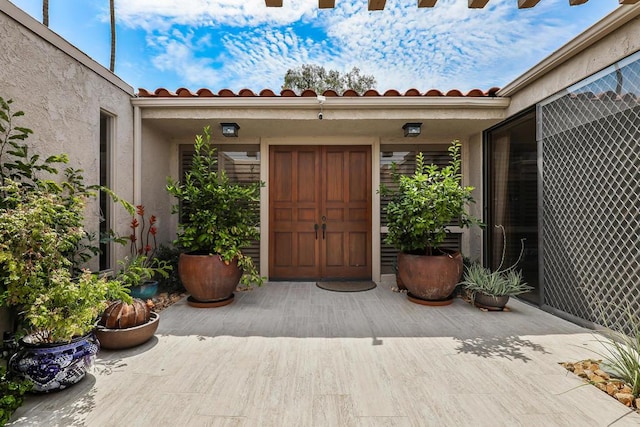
(319, 212)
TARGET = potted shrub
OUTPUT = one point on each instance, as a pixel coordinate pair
(57, 311)
(491, 289)
(54, 303)
(216, 222)
(418, 213)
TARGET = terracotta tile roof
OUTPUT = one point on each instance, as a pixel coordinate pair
(206, 93)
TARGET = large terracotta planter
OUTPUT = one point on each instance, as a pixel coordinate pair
(52, 367)
(432, 277)
(207, 278)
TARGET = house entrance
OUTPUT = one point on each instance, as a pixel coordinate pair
(319, 212)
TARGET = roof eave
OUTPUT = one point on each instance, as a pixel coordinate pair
(418, 102)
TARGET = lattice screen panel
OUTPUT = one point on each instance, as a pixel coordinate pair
(590, 140)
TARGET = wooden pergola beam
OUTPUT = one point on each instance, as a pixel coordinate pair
(377, 4)
(524, 4)
(477, 4)
(473, 4)
(326, 4)
(426, 3)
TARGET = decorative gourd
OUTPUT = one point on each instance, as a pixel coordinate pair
(120, 315)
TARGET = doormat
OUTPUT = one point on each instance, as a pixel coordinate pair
(347, 286)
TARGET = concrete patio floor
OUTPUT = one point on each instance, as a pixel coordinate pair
(291, 354)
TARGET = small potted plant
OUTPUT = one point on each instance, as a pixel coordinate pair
(216, 223)
(140, 272)
(491, 289)
(418, 214)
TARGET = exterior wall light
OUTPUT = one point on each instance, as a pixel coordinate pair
(411, 129)
(230, 129)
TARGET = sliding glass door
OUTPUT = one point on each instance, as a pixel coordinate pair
(511, 180)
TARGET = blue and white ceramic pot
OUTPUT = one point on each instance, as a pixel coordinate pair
(53, 367)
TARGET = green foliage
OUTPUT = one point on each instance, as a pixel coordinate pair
(425, 203)
(68, 307)
(171, 283)
(140, 269)
(496, 283)
(38, 229)
(217, 214)
(11, 395)
(621, 353)
(16, 163)
(501, 282)
(318, 79)
(19, 166)
(620, 341)
(42, 242)
(142, 265)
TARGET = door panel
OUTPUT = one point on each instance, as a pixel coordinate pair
(320, 220)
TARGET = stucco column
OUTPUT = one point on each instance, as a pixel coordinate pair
(137, 156)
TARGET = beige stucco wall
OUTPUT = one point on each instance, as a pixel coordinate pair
(618, 44)
(159, 154)
(62, 92)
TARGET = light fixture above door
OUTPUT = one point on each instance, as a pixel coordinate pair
(412, 129)
(230, 129)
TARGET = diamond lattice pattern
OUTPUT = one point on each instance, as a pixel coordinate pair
(590, 139)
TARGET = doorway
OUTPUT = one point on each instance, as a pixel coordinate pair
(512, 198)
(319, 212)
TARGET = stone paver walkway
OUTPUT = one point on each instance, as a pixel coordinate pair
(291, 354)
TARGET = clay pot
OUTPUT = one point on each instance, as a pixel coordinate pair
(430, 277)
(118, 339)
(490, 302)
(207, 278)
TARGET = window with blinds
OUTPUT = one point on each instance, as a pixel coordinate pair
(404, 157)
(241, 163)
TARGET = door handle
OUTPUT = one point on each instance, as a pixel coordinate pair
(324, 229)
(315, 228)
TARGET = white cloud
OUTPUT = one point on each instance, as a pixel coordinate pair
(448, 46)
(162, 14)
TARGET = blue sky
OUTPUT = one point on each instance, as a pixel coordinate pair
(238, 44)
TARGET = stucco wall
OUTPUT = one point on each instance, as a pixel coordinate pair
(158, 156)
(62, 92)
(616, 45)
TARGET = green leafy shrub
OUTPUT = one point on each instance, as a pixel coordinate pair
(11, 395)
(37, 230)
(42, 241)
(425, 203)
(217, 217)
(171, 283)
